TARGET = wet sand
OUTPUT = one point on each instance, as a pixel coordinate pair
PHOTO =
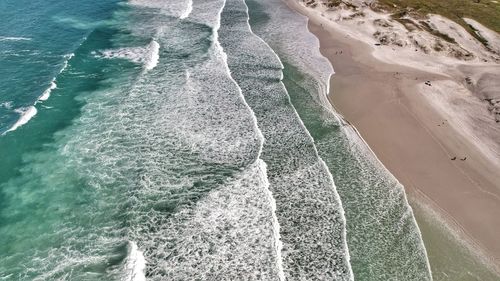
(415, 142)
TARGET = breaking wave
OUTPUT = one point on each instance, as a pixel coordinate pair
(26, 113)
(136, 264)
(147, 56)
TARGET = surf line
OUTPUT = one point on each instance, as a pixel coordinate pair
(322, 163)
(152, 55)
(46, 94)
(188, 10)
(136, 264)
(278, 245)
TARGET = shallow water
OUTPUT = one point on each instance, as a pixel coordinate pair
(449, 257)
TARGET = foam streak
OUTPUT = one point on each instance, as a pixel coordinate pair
(276, 227)
(152, 56)
(6, 38)
(334, 188)
(290, 173)
(188, 10)
(135, 264)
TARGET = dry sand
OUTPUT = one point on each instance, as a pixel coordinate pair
(416, 128)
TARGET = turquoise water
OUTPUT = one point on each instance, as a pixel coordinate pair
(172, 145)
(37, 38)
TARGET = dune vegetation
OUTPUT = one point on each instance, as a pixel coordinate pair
(487, 12)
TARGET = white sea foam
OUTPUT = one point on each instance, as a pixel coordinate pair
(227, 235)
(26, 115)
(176, 8)
(294, 164)
(46, 94)
(133, 54)
(336, 196)
(136, 264)
(147, 56)
(7, 38)
(6, 105)
(152, 55)
(189, 9)
(67, 57)
(278, 245)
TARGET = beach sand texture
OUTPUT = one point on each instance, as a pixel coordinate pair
(431, 116)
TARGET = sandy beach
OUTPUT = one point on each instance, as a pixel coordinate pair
(429, 117)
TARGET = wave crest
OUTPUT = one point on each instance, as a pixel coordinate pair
(147, 56)
(26, 114)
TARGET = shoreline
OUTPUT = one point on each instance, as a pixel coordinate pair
(394, 113)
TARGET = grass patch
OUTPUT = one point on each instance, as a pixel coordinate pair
(437, 33)
(484, 11)
(336, 3)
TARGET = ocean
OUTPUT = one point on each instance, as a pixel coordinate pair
(185, 140)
